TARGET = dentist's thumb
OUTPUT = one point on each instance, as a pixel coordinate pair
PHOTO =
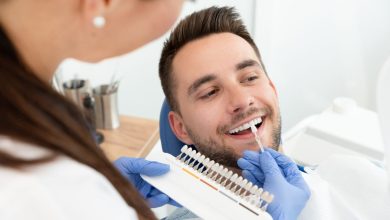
(269, 167)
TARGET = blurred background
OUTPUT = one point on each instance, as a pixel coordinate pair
(313, 50)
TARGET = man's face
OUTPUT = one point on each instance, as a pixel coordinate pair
(221, 87)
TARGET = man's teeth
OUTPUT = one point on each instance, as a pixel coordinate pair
(246, 126)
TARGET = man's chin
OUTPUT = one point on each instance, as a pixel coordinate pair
(224, 155)
(252, 147)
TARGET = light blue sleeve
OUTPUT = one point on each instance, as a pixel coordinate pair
(181, 214)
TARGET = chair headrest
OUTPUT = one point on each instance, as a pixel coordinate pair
(169, 142)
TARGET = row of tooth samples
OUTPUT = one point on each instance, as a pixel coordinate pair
(226, 178)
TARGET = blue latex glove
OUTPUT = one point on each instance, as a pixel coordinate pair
(132, 168)
(277, 174)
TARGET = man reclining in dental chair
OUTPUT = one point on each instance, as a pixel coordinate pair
(216, 85)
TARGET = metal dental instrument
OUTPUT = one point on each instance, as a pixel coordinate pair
(254, 131)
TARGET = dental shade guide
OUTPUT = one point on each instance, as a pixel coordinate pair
(209, 189)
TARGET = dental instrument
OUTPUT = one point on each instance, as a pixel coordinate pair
(254, 131)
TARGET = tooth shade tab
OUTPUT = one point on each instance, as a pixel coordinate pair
(204, 164)
(196, 157)
(183, 150)
(200, 161)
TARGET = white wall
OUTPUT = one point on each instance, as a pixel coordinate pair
(140, 92)
(317, 50)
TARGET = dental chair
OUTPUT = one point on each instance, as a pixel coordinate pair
(169, 142)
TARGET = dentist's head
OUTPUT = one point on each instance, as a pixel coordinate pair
(44, 32)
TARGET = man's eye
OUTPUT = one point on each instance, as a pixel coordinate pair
(209, 94)
(251, 78)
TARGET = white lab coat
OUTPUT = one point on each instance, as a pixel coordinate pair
(60, 189)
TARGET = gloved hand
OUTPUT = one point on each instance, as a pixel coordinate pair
(277, 174)
(132, 168)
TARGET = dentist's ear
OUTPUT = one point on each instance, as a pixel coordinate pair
(92, 8)
(178, 128)
(95, 11)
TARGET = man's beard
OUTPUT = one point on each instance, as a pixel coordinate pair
(224, 154)
(221, 154)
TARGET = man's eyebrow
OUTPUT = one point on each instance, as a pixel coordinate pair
(210, 77)
(195, 85)
(247, 63)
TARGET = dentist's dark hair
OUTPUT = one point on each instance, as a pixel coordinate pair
(195, 26)
(31, 111)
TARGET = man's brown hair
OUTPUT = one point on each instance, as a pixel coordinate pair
(195, 26)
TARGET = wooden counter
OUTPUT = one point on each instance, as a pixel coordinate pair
(135, 137)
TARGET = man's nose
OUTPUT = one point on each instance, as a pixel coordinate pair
(239, 100)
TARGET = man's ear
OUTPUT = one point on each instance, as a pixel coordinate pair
(178, 127)
(273, 87)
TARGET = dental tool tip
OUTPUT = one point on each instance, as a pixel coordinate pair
(254, 131)
(253, 128)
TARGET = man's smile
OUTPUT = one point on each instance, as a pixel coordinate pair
(243, 127)
(243, 130)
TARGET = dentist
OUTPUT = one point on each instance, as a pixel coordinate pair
(50, 166)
